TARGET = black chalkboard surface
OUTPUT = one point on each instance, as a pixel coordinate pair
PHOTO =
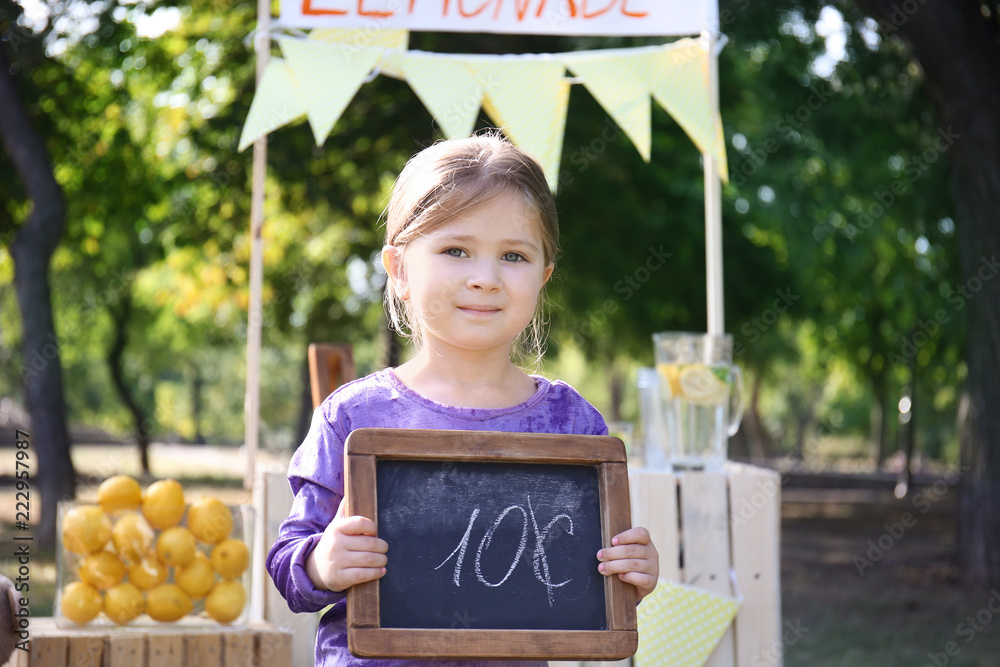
(490, 545)
(493, 541)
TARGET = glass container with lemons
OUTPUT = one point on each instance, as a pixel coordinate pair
(147, 557)
(700, 396)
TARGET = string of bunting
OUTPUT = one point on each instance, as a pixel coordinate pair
(524, 95)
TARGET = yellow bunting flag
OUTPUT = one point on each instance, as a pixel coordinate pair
(527, 99)
(364, 38)
(679, 83)
(447, 88)
(620, 83)
(276, 103)
(680, 625)
(328, 74)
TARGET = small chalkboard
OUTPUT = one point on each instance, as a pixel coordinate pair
(492, 545)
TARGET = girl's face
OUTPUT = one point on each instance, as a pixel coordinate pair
(473, 283)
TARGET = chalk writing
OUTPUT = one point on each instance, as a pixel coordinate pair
(539, 562)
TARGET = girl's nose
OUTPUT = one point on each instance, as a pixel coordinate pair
(484, 276)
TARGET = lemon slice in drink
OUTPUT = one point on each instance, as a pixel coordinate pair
(700, 385)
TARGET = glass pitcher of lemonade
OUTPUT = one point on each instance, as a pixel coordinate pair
(701, 397)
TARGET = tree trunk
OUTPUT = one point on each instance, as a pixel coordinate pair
(876, 420)
(115, 354)
(957, 47)
(31, 251)
(196, 401)
(760, 444)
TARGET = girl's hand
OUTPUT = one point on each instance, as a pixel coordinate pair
(633, 558)
(349, 553)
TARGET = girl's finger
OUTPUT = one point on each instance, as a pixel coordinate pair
(359, 575)
(638, 535)
(357, 525)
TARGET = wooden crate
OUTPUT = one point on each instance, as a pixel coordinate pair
(708, 526)
(255, 646)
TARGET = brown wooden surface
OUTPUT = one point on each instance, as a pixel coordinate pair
(359, 491)
(125, 651)
(204, 650)
(238, 649)
(329, 367)
(437, 445)
(86, 651)
(616, 518)
(486, 644)
(273, 649)
(165, 650)
(49, 651)
(364, 447)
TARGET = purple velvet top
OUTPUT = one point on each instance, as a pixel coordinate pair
(316, 475)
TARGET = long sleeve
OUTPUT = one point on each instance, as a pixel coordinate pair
(314, 507)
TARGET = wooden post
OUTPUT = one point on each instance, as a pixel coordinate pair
(713, 206)
(251, 404)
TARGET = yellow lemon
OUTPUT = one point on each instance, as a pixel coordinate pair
(163, 503)
(118, 493)
(196, 578)
(210, 520)
(176, 546)
(167, 603)
(123, 603)
(670, 381)
(101, 570)
(225, 602)
(132, 537)
(85, 529)
(701, 386)
(147, 573)
(229, 558)
(80, 603)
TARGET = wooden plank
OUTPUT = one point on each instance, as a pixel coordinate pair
(654, 506)
(49, 651)
(487, 644)
(705, 544)
(238, 649)
(362, 599)
(165, 650)
(418, 444)
(203, 649)
(272, 649)
(277, 505)
(329, 367)
(755, 503)
(86, 650)
(616, 518)
(124, 650)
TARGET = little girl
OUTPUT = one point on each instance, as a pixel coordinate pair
(471, 238)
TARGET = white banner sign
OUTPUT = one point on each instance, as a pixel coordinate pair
(526, 17)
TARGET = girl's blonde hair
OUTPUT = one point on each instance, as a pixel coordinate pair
(451, 177)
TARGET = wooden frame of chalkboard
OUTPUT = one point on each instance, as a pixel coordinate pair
(524, 455)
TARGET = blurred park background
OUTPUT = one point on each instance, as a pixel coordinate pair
(859, 247)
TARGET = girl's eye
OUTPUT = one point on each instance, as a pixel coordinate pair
(454, 252)
(513, 257)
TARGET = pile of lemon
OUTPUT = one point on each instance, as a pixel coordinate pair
(133, 555)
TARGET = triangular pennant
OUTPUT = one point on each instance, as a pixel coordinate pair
(679, 82)
(328, 76)
(275, 103)
(527, 99)
(680, 625)
(620, 83)
(447, 88)
(363, 38)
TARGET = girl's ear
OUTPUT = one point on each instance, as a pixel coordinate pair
(392, 262)
(548, 273)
